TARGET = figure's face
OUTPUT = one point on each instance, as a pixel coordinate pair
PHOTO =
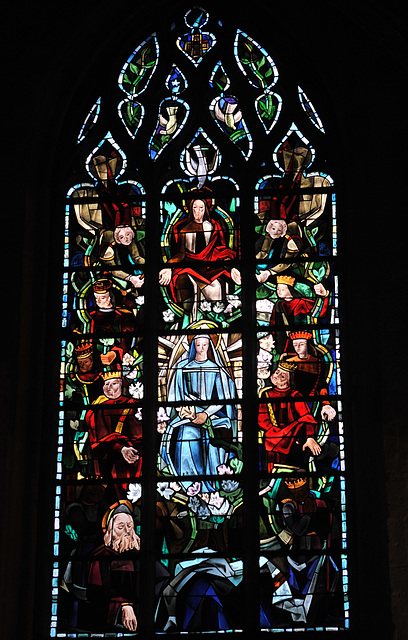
(282, 291)
(85, 364)
(103, 300)
(275, 229)
(113, 388)
(267, 342)
(124, 235)
(201, 347)
(122, 526)
(198, 210)
(121, 535)
(300, 346)
(280, 379)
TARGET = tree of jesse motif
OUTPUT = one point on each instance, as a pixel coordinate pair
(203, 156)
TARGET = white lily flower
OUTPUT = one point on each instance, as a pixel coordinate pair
(134, 492)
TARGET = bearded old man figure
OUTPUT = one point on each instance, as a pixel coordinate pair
(113, 572)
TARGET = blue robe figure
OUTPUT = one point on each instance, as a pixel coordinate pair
(201, 382)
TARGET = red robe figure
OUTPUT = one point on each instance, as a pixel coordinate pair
(311, 370)
(290, 429)
(294, 309)
(115, 434)
(200, 243)
(106, 317)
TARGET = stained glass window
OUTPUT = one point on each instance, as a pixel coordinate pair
(201, 475)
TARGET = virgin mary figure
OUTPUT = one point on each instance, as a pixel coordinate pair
(199, 434)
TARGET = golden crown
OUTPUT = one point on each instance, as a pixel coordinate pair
(289, 280)
(109, 375)
(83, 349)
(287, 366)
(300, 335)
(102, 285)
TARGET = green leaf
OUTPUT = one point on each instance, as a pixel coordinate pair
(261, 62)
(238, 135)
(134, 68)
(132, 114)
(71, 533)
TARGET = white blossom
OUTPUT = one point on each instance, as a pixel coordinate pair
(168, 315)
(136, 390)
(218, 306)
(264, 305)
(205, 305)
(264, 359)
(162, 415)
(128, 358)
(134, 492)
(164, 489)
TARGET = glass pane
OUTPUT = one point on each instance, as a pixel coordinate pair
(202, 593)
(200, 380)
(301, 564)
(200, 245)
(152, 396)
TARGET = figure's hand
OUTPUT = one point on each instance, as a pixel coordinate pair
(320, 290)
(200, 418)
(262, 276)
(236, 275)
(137, 281)
(328, 412)
(165, 276)
(129, 620)
(313, 446)
(130, 454)
(186, 412)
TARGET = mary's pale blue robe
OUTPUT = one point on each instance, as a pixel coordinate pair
(204, 385)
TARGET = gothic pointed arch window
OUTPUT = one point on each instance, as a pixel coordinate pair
(200, 482)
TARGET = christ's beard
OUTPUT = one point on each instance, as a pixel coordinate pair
(125, 542)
